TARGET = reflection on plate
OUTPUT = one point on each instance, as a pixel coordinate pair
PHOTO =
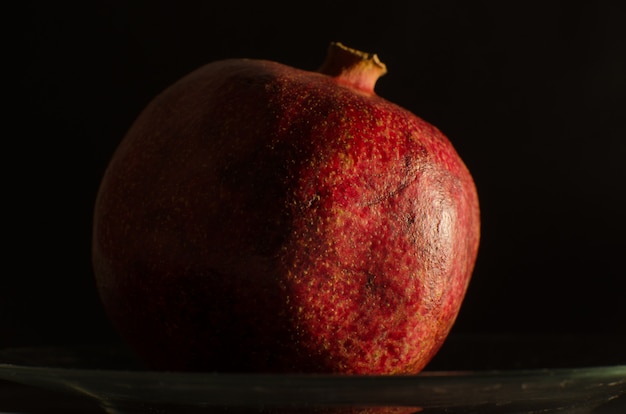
(112, 378)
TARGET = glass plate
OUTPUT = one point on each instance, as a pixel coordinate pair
(111, 376)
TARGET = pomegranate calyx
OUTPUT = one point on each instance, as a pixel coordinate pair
(352, 67)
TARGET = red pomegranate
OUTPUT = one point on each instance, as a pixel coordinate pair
(262, 218)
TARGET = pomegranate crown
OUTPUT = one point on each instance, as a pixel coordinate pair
(352, 67)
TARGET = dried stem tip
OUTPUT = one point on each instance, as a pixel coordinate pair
(352, 67)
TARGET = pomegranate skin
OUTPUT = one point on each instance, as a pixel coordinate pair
(262, 218)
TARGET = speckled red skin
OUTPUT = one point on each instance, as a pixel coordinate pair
(258, 217)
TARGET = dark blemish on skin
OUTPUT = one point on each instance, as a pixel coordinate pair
(410, 220)
(313, 201)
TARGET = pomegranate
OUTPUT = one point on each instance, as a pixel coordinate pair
(262, 218)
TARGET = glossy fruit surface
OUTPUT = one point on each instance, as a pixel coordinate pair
(259, 217)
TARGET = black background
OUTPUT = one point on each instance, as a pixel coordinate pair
(532, 97)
